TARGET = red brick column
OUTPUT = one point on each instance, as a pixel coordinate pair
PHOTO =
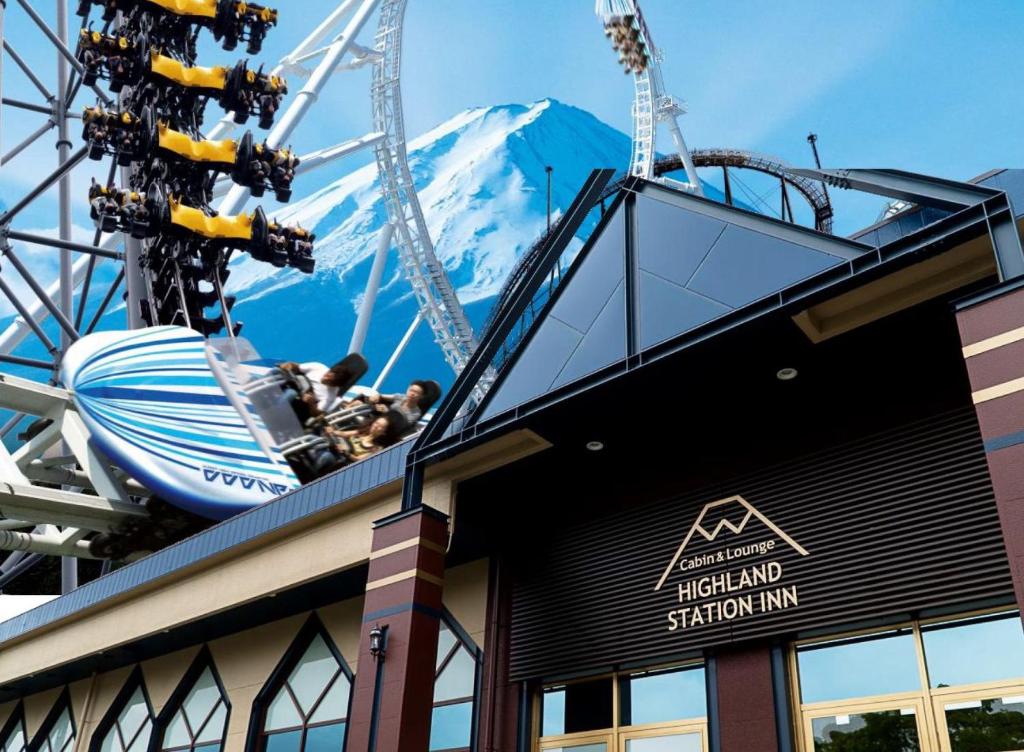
(392, 700)
(499, 718)
(746, 700)
(992, 334)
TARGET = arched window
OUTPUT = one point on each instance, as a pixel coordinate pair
(12, 735)
(456, 684)
(304, 706)
(57, 734)
(128, 724)
(195, 719)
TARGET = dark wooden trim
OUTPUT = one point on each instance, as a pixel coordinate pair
(63, 701)
(312, 627)
(17, 716)
(134, 681)
(202, 661)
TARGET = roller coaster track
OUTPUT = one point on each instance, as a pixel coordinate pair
(763, 163)
(435, 296)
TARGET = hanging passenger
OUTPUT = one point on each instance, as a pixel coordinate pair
(412, 405)
(317, 389)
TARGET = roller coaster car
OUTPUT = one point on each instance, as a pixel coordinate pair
(231, 21)
(110, 7)
(259, 167)
(247, 92)
(282, 245)
(112, 132)
(242, 21)
(174, 146)
(114, 209)
(114, 58)
(226, 231)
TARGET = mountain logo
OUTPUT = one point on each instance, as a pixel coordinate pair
(749, 513)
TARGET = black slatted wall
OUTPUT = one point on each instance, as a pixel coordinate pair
(892, 523)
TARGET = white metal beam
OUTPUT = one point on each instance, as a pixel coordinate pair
(42, 506)
(296, 111)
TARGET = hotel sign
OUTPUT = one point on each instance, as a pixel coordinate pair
(728, 567)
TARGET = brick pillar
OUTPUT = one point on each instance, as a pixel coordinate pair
(746, 699)
(403, 596)
(499, 721)
(992, 334)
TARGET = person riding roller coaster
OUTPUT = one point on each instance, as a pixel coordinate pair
(411, 405)
(103, 56)
(314, 389)
(231, 21)
(113, 209)
(348, 429)
(112, 133)
(129, 62)
(144, 138)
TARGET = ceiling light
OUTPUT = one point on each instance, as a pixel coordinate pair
(595, 446)
(786, 374)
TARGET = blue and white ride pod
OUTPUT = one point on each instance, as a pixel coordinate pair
(162, 405)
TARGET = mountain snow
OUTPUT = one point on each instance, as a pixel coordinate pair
(482, 183)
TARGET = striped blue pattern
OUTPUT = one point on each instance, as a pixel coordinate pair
(152, 402)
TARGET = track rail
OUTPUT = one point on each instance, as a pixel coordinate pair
(435, 296)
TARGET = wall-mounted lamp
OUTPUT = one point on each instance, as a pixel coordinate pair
(377, 642)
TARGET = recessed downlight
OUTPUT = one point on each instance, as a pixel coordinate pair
(595, 446)
(786, 374)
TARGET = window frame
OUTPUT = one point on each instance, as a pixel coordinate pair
(134, 681)
(462, 640)
(202, 661)
(932, 730)
(616, 736)
(62, 702)
(16, 717)
(311, 628)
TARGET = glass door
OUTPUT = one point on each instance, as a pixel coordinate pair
(674, 739)
(578, 743)
(984, 720)
(893, 726)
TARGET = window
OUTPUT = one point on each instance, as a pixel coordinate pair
(455, 688)
(955, 682)
(195, 719)
(304, 707)
(656, 710)
(12, 735)
(664, 696)
(859, 667)
(57, 734)
(128, 724)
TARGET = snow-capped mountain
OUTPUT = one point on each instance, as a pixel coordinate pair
(481, 180)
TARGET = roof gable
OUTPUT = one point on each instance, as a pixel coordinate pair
(663, 263)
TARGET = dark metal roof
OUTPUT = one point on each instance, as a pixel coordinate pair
(338, 488)
(986, 210)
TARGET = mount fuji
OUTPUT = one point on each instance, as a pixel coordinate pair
(482, 183)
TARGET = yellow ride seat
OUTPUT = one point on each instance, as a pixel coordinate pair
(238, 227)
(217, 152)
(199, 78)
(203, 8)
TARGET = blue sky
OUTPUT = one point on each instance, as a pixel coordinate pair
(930, 86)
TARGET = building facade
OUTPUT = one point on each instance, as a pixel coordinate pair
(735, 485)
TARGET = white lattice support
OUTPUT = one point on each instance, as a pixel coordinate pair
(435, 296)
